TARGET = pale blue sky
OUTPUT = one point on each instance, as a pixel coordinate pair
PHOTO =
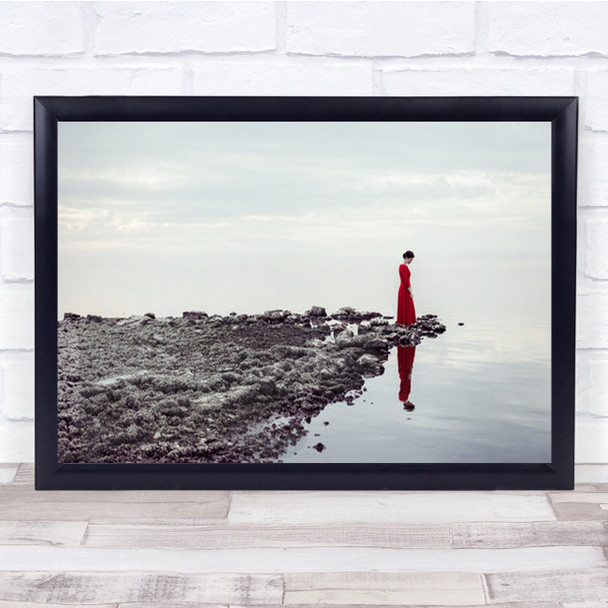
(166, 217)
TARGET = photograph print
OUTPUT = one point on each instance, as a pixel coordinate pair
(304, 292)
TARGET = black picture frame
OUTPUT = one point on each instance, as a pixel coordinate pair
(560, 112)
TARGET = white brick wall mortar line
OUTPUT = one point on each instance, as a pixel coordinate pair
(378, 81)
(281, 18)
(482, 27)
(9, 204)
(455, 61)
(89, 15)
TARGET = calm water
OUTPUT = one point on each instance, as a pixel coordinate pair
(481, 393)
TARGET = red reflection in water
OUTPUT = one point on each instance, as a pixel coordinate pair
(405, 362)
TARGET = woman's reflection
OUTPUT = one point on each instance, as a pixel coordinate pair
(405, 362)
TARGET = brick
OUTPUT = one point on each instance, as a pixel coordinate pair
(17, 244)
(478, 81)
(42, 28)
(546, 29)
(592, 320)
(18, 386)
(16, 316)
(20, 84)
(16, 169)
(380, 29)
(174, 27)
(596, 100)
(592, 386)
(592, 175)
(280, 79)
(17, 441)
(591, 433)
(596, 237)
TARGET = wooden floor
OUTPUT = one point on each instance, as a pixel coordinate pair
(178, 549)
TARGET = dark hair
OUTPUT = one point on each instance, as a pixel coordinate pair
(408, 254)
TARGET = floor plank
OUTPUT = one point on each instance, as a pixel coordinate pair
(536, 534)
(374, 588)
(584, 511)
(103, 588)
(45, 605)
(572, 585)
(334, 559)
(301, 508)
(23, 503)
(66, 534)
(399, 605)
(8, 472)
(25, 474)
(246, 536)
(586, 605)
(579, 497)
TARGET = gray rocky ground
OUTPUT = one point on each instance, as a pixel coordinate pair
(202, 388)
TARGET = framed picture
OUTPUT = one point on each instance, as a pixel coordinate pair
(305, 293)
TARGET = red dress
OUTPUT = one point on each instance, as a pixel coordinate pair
(406, 313)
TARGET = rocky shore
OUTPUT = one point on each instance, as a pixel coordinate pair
(211, 388)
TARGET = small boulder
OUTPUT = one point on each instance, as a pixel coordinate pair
(345, 339)
(196, 315)
(367, 361)
(376, 345)
(316, 311)
(378, 321)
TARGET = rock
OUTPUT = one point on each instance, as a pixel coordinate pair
(150, 315)
(316, 311)
(94, 318)
(409, 340)
(71, 316)
(345, 339)
(365, 328)
(195, 315)
(461, 324)
(338, 328)
(376, 344)
(368, 361)
(276, 316)
(326, 423)
(346, 313)
(378, 321)
(319, 447)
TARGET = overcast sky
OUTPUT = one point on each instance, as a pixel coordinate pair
(166, 217)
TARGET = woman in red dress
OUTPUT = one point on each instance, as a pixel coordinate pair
(406, 313)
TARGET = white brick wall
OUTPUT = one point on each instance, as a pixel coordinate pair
(380, 29)
(478, 81)
(300, 48)
(220, 78)
(548, 29)
(42, 29)
(204, 27)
